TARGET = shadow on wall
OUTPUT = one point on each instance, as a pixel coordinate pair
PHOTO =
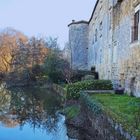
(79, 75)
(96, 74)
(132, 86)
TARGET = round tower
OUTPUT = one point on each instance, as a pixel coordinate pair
(78, 41)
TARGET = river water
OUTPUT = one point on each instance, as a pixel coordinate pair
(31, 114)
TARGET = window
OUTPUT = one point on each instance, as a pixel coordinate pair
(100, 56)
(101, 5)
(110, 19)
(135, 27)
(101, 28)
(96, 34)
(93, 40)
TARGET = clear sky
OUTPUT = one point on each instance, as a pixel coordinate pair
(44, 17)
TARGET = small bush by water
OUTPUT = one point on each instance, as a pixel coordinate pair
(72, 111)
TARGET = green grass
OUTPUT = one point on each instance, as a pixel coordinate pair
(123, 109)
(72, 111)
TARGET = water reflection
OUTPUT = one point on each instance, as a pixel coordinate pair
(31, 111)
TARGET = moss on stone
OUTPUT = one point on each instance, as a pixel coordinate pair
(72, 111)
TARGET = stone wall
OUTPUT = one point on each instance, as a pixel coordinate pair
(99, 54)
(121, 38)
(127, 52)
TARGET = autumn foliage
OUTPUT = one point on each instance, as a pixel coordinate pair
(18, 52)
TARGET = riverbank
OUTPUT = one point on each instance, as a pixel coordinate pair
(101, 116)
(106, 119)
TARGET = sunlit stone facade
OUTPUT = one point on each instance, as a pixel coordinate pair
(110, 41)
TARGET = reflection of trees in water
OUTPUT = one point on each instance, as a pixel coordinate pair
(8, 121)
(36, 107)
(5, 99)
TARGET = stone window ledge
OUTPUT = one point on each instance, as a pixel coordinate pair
(134, 44)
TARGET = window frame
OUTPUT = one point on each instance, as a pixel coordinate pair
(135, 33)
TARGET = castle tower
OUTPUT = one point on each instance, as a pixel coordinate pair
(78, 41)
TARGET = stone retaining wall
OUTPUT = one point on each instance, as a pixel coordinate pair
(101, 124)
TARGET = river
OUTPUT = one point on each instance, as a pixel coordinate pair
(31, 114)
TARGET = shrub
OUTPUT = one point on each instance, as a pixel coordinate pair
(56, 68)
(73, 89)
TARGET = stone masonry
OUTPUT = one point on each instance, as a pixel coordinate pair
(110, 41)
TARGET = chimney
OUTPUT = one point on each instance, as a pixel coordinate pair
(73, 21)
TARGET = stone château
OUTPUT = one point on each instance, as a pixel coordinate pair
(109, 41)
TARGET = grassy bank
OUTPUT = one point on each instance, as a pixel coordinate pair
(123, 109)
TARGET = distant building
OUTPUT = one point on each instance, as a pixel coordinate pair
(110, 41)
(67, 53)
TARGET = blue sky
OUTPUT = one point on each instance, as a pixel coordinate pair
(44, 17)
